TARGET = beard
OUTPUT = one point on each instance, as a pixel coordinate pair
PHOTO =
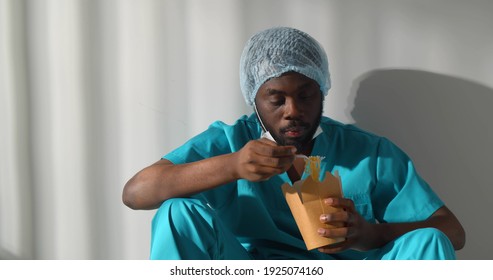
(299, 142)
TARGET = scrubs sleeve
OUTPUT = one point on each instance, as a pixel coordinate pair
(212, 142)
(217, 140)
(401, 195)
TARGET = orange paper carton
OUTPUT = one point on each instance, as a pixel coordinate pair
(305, 200)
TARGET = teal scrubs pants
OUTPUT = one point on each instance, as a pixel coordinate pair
(189, 229)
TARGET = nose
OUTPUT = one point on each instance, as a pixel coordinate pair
(292, 110)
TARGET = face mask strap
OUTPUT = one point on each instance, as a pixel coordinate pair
(265, 133)
(258, 116)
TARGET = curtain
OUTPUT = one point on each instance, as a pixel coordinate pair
(93, 91)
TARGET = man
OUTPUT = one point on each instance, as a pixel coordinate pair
(219, 194)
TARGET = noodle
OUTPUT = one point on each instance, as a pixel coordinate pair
(312, 166)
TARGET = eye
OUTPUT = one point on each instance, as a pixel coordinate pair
(305, 95)
(277, 101)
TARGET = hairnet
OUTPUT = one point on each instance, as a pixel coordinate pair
(275, 51)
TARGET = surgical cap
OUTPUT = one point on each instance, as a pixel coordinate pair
(275, 51)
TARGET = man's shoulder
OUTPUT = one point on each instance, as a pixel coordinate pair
(243, 120)
(245, 127)
(335, 127)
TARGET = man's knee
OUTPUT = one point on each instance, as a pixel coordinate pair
(430, 236)
(429, 243)
(176, 207)
(180, 212)
(182, 229)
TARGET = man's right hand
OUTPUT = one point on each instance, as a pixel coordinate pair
(261, 159)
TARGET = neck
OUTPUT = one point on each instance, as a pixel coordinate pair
(307, 148)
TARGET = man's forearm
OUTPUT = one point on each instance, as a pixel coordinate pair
(164, 180)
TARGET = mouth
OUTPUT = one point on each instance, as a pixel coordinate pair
(293, 131)
(295, 134)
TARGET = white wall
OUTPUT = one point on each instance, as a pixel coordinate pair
(93, 91)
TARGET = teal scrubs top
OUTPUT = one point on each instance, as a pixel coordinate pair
(377, 175)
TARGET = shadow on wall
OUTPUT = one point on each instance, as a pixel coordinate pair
(445, 124)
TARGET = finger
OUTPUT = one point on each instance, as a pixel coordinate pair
(276, 162)
(261, 152)
(264, 170)
(271, 149)
(339, 232)
(333, 232)
(261, 173)
(339, 216)
(340, 202)
(335, 248)
(268, 142)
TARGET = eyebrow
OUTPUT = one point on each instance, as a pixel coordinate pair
(271, 91)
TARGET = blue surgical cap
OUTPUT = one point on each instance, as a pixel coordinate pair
(275, 51)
